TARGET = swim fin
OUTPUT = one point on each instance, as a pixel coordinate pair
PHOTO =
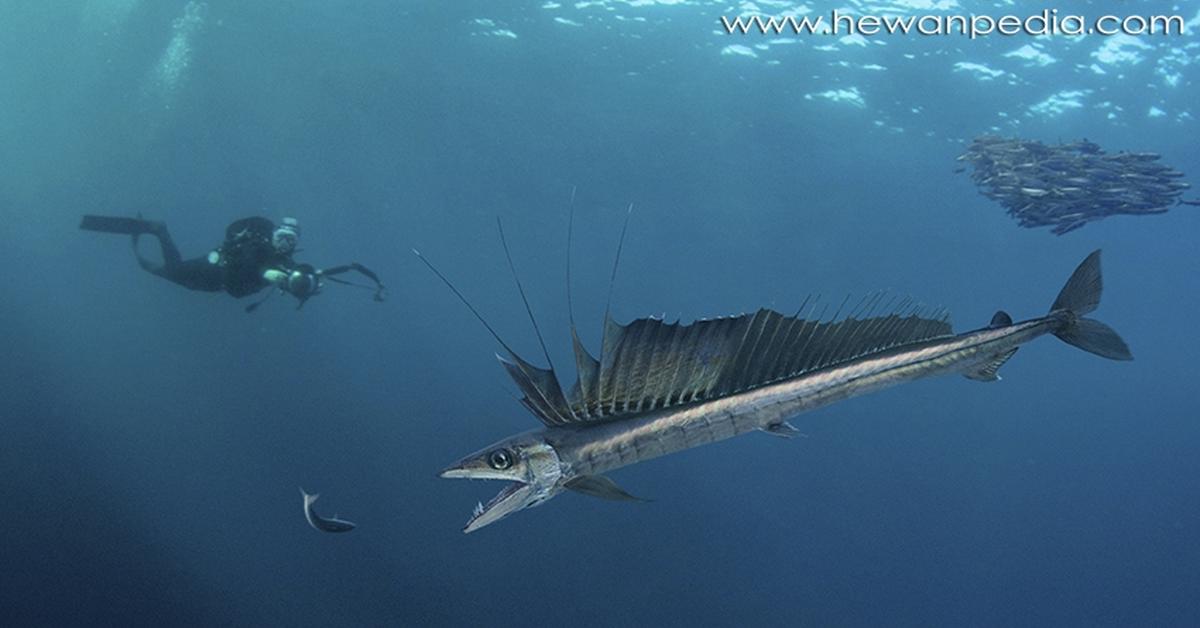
(119, 224)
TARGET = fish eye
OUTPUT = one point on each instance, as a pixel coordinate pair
(500, 459)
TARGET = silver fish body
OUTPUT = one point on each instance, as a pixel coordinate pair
(319, 523)
(660, 388)
(595, 449)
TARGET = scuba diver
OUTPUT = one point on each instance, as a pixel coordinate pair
(256, 254)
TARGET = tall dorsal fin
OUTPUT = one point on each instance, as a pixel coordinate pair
(587, 368)
(650, 364)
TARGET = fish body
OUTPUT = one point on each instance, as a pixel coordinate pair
(594, 449)
(660, 388)
(591, 450)
(323, 524)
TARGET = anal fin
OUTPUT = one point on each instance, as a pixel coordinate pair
(602, 487)
(988, 371)
(782, 429)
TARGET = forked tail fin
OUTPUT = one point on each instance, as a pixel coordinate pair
(1081, 296)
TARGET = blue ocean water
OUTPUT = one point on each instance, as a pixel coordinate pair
(152, 440)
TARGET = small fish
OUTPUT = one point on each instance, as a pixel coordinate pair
(321, 523)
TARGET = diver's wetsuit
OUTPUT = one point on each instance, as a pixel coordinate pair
(249, 260)
(238, 264)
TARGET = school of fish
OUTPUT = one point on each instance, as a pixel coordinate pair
(1065, 186)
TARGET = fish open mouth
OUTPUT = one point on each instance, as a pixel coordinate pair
(513, 497)
(507, 501)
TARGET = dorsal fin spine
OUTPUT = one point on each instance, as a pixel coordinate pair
(521, 290)
(741, 357)
(869, 330)
(774, 348)
(689, 391)
(612, 280)
(829, 327)
(701, 383)
(605, 391)
(823, 339)
(731, 381)
(852, 320)
(775, 366)
(671, 381)
(636, 383)
(670, 347)
(776, 327)
(727, 382)
(897, 326)
(882, 326)
(653, 390)
(554, 406)
(801, 356)
(575, 340)
(762, 347)
(547, 409)
(790, 364)
(608, 350)
(617, 374)
(465, 302)
(857, 331)
(687, 339)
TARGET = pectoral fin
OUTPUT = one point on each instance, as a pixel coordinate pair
(602, 487)
(988, 372)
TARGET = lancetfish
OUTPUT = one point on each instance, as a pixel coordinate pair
(660, 387)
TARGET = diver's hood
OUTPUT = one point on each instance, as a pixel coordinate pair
(286, 236)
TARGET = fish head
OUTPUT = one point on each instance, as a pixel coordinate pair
(530, 465)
